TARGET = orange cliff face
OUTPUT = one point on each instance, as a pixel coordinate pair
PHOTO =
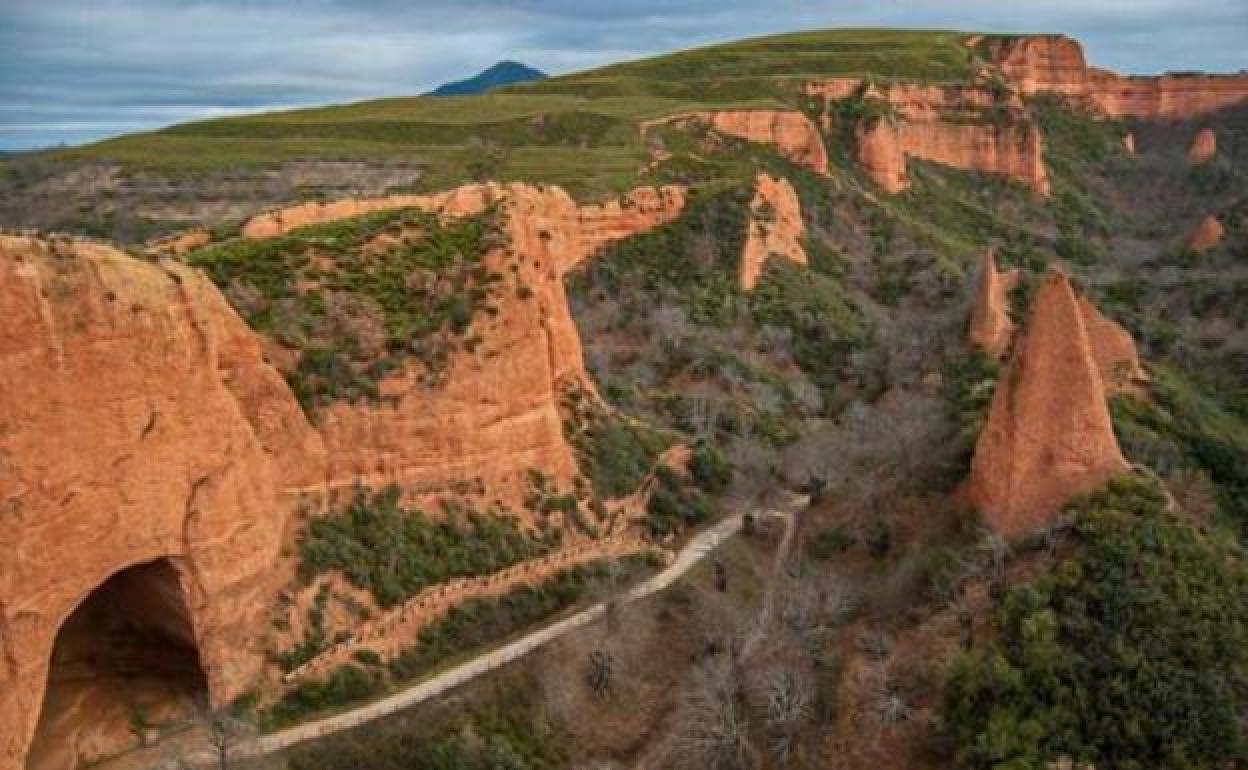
(140, 423)
(1049, 435)
(792, 133)
(1204, 147)
(991, 328)
(968, 128)
(775, 228)
(1208, 234)
(1056, 63)
(497, 414)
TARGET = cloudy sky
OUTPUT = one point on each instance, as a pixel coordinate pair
(77, 70)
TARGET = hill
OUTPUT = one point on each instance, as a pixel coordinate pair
(415, 358)
(504, 73)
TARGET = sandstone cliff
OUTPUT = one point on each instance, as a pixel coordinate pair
(789, 131)
(1048, 436)
(1207, 234)
(138, 422)
(775, 228)
(496, 415)
(1203, 148)
(1056, 63)
(991, 328)
(969, 128)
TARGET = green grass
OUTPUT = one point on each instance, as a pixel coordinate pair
(570, 123)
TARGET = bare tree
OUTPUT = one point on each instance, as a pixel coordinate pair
(710, 729)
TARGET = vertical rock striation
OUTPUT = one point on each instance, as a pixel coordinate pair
(1048, 436)
(991, 328)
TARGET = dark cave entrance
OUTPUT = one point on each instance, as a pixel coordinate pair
(124, 661)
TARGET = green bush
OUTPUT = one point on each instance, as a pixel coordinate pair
(676, 504)
(478, 622)
(394, 552)
(710, 469)
(348, 684)
(1133, 654)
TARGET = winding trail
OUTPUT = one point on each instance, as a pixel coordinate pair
(686, 559)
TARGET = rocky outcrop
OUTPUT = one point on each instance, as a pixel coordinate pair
(970, 128)
(138, 422)
(1049, 435)
(991, 328)
(1208, 234)
(1203, 148)
(180, 243)
(792, 134)
(1113, 350)
(497, 414)
(775, 228)
(1035, 63)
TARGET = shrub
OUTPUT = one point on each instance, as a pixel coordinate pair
(346, 685)
(1132, 654)
(710, 469)
(394, 552)
(675, 504)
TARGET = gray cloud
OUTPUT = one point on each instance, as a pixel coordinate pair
(76, 70)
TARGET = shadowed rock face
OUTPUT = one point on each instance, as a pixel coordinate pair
(775, 228)
(1048, 436)
(139, 421)
(1056, 63)
(1206, 235)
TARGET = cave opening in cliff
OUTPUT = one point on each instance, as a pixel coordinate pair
(124, 662)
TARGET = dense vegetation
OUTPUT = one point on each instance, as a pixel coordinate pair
(478, 622)
(394, 552)
(359, 296)
(1132, 654)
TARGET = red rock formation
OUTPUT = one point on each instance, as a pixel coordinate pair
(1204, 147)
(1207, 234)
(1113, 350)
(1036, 63)
(991, 327)
(138, 421)
(180, 243)
(964, 127)
(1048, 436)
(775, 228)
(789, 131)
(497, 414)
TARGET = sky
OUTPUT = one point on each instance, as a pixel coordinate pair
(73, 71)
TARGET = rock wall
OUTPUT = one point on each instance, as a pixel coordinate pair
(775, 228)
(1049, 435)
(1056, 63)
(969, 128)
(991, 328)
(1203, 148)
(792, 134)
(497, 414)
(138, 421)
(1208, 234)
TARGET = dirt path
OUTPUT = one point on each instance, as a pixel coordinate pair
(686, 559)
